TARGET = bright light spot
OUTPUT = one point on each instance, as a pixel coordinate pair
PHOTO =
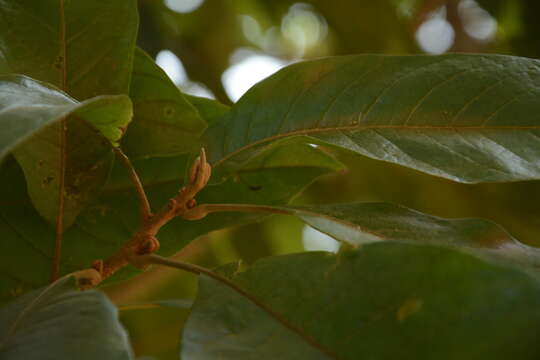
(271, 41)
(251, 29)
(175, 70)
(197, 89)
(172, 65)
(435, 35)
(478, 23)
(248, 71)
(303, 27)
(314, 240)
(268, 40)
(183, 6)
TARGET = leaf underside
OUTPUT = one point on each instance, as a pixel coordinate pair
(61, 322)
(362, 304)
(31, 114)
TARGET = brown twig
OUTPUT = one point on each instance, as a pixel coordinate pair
(147, 282)
(59, 228)
(144, 240)
(146, 211)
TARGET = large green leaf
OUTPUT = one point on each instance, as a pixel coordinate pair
(60, 322)
(469, 118)
(384, 301)
(83, 47)
(165, 123)
(105, 226)
(362, 223)
(369, 222)
(30, 112)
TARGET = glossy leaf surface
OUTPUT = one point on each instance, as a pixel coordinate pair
(362, 223)
(468, 118)
(86, 50)
(369, 222)
(362, 304)
(61, 322)
(30, 112)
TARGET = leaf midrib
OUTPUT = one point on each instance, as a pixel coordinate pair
(28, 308)
(368, 127)
(59, 226)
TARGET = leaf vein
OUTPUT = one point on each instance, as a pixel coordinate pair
(427, 94)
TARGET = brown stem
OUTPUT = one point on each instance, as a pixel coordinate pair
(59, 229)
(146, 211)
(148, 281)
(144, 240)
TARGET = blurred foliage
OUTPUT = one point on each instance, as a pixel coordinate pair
(206, 39)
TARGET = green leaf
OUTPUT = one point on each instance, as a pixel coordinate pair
(84, 48)
(361, 304)
(362, 223)
(210, 110)
(60, 322)
(293, 155)
(468, 118)
(28, 106)
(162, 111)
(30, 114)
(104, 226)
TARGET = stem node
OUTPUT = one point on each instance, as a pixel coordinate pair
(144, 241)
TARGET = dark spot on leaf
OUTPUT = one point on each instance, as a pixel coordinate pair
(41, 163)
(237, 178)
(168, 111)
(47, 180)
(58, 63)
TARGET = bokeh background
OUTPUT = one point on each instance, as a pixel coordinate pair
(220, 48)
